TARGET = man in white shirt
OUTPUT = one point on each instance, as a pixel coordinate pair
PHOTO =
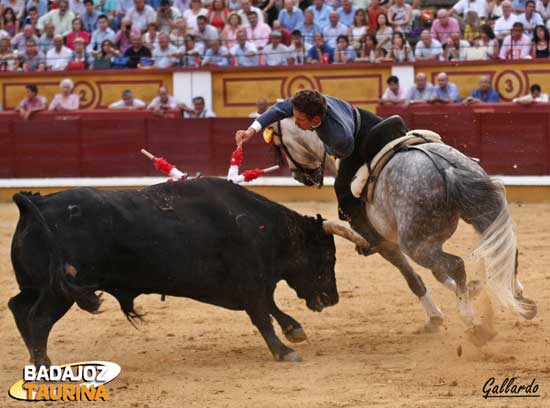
(59, 56)
(427, 48)
(61, 18)
(298, 50)
(141, 15)
(128, 102)
(205, 32)
(463, 6)
(275, 53)
(334, 29)
(246, 7)
(543, 8)
(530, 19)
(394, 93)
(504, 24)
(199, 110)
(534, 96)
(517, 45)
(163, 101)
(257, 32)
(164, 53)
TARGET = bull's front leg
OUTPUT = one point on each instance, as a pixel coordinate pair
(259, 314)
(291, 328)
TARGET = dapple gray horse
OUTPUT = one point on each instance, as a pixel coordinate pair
(417, 203)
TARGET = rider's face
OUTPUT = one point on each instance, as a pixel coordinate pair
(304, 122)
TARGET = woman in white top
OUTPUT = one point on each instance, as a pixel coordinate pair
(358, 29)
(401, 50)
(192, 13)
(383, 32)
(485, 47)
(66, 100)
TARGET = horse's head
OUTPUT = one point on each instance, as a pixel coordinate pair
(304, 152)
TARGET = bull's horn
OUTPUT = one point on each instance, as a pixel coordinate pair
(335, 228)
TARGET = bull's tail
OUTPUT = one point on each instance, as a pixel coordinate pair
(60, 279)
(482, 203)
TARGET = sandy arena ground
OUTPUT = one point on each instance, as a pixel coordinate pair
(366, 351)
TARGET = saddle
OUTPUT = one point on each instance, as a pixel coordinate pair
(388, 138)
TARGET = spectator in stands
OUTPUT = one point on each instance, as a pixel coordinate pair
(177, 37)
(59, 56)
(394, 94)
(20, 40)
(541, 43)
(530, 19)
(347, 13)
(128, 102)
(77, 7)
(46, 40)
(164, 53)
(484, 94)
(123, 38)
(373, 11)
(199, 110)
(102, 33)
(109, 8)
(234, 5)
(383, 33)
(258, 32)
(495, 9)
(245, 51)
(217, 15)
(472, 23)
(192, 13)
(32, 19)
(137, 51)
(286, 39)
(298, 50)
(504, 24)
(141, 15)
(151, 37)
(166, 16)
(421, 91)
(480, 7)
(32, 59)
(275, 53)
(229, 33)
(216, 55)
(90, 16)
(10, 22)
(427, 48)
(535, 96)
(334, 29)
(445, 91)
(309, 27)
(80, 59)
(320, 52)
(455, 49)
(32, 103)
(369, 52)
(358, 29)
(519, 6)
(344, 53)
(163, 101)
(516, 45)
(400, 50)
(443, 26)
(205, 32)
(191, 52)
(261, 107)
(485, 47)
(122, 8)
(66, 100)
(291, 17)
(41, 6)
(77, 32)
(400, 16)
(270, 9)
(246, 7)
(103, 59)
(321, 13)
(543, 8)
(61, 18)
(8, 58)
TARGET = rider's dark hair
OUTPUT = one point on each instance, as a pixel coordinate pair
(312, 103)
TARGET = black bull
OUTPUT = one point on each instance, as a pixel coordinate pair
(206, 239)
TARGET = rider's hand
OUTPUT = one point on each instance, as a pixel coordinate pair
(242, 136)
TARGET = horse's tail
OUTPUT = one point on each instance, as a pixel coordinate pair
(482, 203)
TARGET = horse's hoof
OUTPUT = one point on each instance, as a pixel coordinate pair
(365, 251)
(434, 324)
(479, 335)
(474, 288)
(296, 335)
(530, 308)
(293, 356)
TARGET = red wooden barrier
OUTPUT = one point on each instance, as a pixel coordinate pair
(508, 138)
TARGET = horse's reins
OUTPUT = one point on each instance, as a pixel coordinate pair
(307, 172)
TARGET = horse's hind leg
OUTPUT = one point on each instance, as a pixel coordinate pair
(393, 254)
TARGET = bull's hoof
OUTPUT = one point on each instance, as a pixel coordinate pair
(530, 308)
(474, 288)
(38, 362)
(293, 356)
(296, 335)
(434, 324)
(480, 335)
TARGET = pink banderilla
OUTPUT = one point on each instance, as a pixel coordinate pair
(247, 175)
(165, 167)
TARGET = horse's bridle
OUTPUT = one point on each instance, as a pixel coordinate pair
(305, 175)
